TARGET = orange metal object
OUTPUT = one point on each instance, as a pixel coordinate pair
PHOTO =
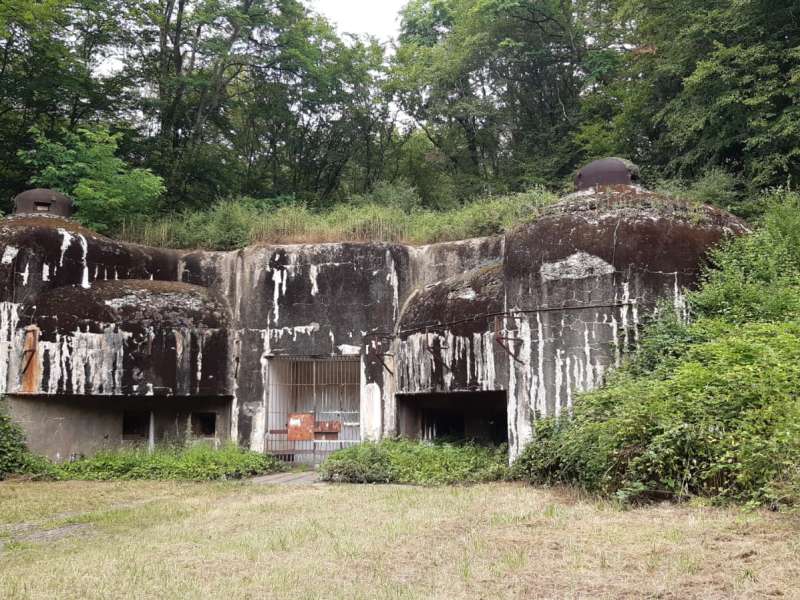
(31, 375)
(301, 427)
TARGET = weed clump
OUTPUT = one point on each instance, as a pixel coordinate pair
(414, 462)
(195, 462)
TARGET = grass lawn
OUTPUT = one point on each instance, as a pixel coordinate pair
(182, 540)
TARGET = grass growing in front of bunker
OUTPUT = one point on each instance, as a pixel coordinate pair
(192, 462)
(414, 462)
(231, 540)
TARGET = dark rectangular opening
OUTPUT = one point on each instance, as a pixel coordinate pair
(204, 424)
(456, 416)
(135, 425)
(42, 206)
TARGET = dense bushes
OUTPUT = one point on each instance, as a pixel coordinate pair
(723, 421)
(14, 456)
(405, 461)
(709, 408)
(196, 462)
(234, 224)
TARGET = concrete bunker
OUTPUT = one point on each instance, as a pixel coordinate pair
(299, 350)
(479, 416)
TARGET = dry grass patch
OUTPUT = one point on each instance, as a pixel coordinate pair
(166, 540)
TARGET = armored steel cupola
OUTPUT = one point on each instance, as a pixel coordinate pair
(41, 201)
(607, 171)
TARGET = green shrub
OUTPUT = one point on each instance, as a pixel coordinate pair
(12, 447)
(710, 408)
(15, 459)
(724, 423)
(412, 462)
(85, 166)
(196, 462)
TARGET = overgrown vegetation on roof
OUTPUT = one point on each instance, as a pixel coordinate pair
(235, 224)
(708, 408)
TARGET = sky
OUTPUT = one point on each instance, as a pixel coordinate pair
(375, 17)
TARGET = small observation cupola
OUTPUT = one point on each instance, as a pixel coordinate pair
(607, 171)
(41, 201)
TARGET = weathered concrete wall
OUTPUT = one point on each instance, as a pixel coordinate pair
(66, 427)
(103, 317)
(540, 313)
(570, 299)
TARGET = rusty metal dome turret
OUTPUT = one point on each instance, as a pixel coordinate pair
(607, 171)
(42, 201)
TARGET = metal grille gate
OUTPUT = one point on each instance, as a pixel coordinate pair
(325, 395)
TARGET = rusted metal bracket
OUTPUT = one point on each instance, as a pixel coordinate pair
(30, 372)
(30, 346)
(383, 362)
(500, 341)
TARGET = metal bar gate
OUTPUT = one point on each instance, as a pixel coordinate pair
(314, 407)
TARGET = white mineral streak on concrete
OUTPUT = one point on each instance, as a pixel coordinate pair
(576, 266)
(572, 379)
(393, 280)
(45, 272)
(469, 359)
(371, 411)
(9, 254)
(569, 384)
(681, 306)
(615, 341)
(349, 350)
(559, 367)
(448, 341)
(281, 332)
(313, 275)
(258, 429)
(26, 273)
(490, 375)
(9, 319)
(523, 398)
(588, 378)
(538, 381)
(236, 346)
(624, 311)
(199, 371)
(183, 360)
(66, 242)
(92, 361)
(84, 256)
(512, 408)
(279, 282)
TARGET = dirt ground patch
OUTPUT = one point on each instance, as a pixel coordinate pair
(163, 540)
